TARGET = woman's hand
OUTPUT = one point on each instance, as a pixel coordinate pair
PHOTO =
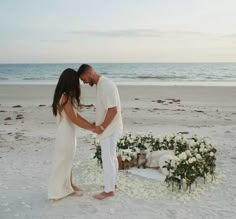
(98, 130)
(93, 127)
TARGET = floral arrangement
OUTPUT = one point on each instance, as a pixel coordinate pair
(193, 157)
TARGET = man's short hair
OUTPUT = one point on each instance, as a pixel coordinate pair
(83, 69)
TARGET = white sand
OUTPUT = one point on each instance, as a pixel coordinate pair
(26, 146)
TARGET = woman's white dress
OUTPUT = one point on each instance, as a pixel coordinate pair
(64, 152)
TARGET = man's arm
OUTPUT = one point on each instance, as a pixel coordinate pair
(111, 113)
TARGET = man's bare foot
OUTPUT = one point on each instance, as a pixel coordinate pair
(116, 187)
(76, 188)
(103, 195)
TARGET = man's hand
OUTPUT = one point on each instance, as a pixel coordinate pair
(98, 130)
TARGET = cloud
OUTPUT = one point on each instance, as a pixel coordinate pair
(117, 33)
(152, 33)
(54, 41)
(232, 36)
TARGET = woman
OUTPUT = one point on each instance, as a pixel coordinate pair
(66, 102)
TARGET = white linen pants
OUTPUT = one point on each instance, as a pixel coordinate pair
(109, 161)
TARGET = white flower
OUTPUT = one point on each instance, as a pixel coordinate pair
(181, 141)
(183, 156)
(192, 143)
(172, 163)
(178, 138)
(94, 135)
(208, 147)
(188, 153)
(211, 154)
(123, 158)
(134, 154)
(190, 160)
(97, 141)
(176, 159)
(194, 159)
(198, 156)
(127, 151)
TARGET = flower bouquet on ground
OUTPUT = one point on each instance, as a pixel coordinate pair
(193, 158)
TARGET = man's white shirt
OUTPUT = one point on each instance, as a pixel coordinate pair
(108, 97)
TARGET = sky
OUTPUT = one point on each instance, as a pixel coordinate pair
(61, 31)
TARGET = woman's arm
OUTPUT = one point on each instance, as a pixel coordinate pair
(78, 120)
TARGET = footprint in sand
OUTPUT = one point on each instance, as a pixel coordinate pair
(19, 116)
(183, 133)
(27, 206)
(8, 118)
(17, 106)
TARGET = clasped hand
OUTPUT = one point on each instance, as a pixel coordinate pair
(97, 129)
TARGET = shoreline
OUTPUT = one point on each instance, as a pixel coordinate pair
(142, 83)
(141, 96)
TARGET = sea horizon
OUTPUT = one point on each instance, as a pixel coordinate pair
(127, 73)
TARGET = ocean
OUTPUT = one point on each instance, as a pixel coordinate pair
(126, 73)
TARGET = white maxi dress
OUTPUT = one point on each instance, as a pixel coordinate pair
(64, 152)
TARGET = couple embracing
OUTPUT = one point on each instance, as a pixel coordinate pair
(108, 127)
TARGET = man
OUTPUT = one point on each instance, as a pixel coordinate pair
(109, 125)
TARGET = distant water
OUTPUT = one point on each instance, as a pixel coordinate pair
(126, 73)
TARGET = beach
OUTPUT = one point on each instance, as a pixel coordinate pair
(27, 136)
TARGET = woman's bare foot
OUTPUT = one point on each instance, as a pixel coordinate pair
(58, 199)
(76, 188)
(103, 195)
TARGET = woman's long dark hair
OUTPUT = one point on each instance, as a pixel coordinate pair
(68, 84)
